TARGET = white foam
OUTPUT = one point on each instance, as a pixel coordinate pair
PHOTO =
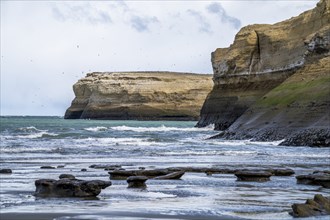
(97, 128)
(120, 141)
(244, 142)
(272, 143)
(158, 129)
(29, 129)
(37, 135)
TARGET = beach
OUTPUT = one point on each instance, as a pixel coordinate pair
(28, 143)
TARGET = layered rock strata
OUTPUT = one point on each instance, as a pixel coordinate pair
(139, 95)
(273, 82)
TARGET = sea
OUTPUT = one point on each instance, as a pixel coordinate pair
(27, 143)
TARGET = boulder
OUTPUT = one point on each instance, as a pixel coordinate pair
(320, 205)
(6, 171)
(317, 178)
(69, 187)
(137, 181)
(253, 175)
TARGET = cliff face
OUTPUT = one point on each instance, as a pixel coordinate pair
(263, 57)
(139, 95)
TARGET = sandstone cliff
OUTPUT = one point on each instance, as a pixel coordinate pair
(261, 57)
(139, 95)
(273, 81)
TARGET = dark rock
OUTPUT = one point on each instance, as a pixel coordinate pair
(171, 176)
(142, 168)
(47, 167)
(309, 137)
(317, 178)
(281, 172)
(253, 175)
(60, 166)
(123, 174)
(67, 176)
(69, 188)
(212, 170)
(137, 181)
(6, 171)
(153, 173)
(83, 170)
(105, 166)
(313, 207)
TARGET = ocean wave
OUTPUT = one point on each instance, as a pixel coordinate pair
(158, 129)
(97, 128)
(206, 153)
(29, 129)
(42, 134)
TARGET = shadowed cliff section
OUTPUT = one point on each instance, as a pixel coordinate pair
(260, 59)
(139, 96)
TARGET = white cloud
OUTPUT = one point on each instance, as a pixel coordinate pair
(40, 60)
(217, 9)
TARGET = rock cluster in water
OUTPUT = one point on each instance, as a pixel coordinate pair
(139, 95)
(69, 186)
(273, 82)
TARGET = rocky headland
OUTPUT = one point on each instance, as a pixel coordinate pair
(139, 96)
(273, 82)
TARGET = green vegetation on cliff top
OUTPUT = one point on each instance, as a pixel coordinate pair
(297, 92)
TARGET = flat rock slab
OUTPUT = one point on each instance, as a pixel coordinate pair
(321, 178)
(124, 174)
(105, 166)
(212, 170)
(171, 176)
(253, 175)
(281, 172)
(216, 170)
(69, 187)
(137, 181)
(320, 205)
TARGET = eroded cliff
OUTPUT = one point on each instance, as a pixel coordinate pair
(263, 57)
(139, 95)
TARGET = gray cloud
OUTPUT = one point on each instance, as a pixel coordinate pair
(216, 8)
(81, 13)
(204, 25)
(142, 24)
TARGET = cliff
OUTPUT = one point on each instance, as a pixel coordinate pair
(139, 95)
(273, 81)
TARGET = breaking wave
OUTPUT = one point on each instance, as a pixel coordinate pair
(158, 129)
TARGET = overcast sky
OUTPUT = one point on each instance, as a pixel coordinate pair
(47, 46)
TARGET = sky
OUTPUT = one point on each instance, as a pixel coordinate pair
(46, 46)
